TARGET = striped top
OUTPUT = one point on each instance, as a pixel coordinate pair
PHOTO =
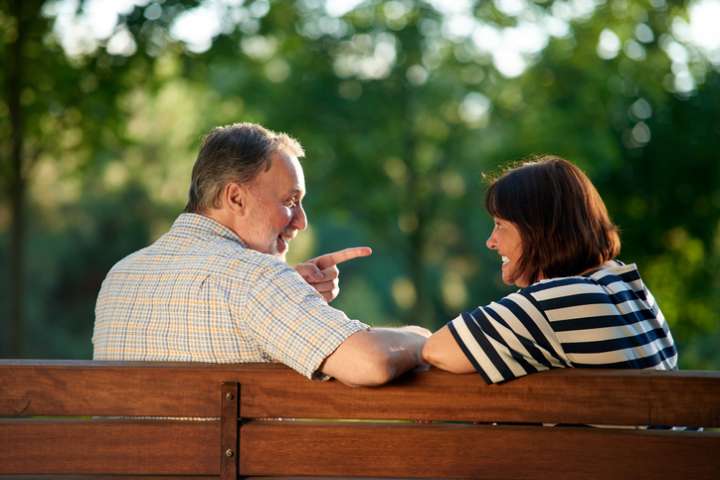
(606, 319)
(199, 295)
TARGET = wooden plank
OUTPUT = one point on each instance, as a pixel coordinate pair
(103, 389)
(474, 451)
(558, 396)
(110, 477)
(622, 397)
(109, 447)
(169, 477)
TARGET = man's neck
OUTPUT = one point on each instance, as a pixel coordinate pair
(223, 217)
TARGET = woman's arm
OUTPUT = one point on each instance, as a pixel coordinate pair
(442, 351)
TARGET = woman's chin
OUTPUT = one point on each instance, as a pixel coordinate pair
(506, 275)
(510, 280)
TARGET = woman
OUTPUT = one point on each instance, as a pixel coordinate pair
(576, 307)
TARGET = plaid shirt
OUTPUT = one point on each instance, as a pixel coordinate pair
(199, 295)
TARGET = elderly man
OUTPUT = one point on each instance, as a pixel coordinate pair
(216, 287)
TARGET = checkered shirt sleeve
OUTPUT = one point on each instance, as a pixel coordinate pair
(291, 322)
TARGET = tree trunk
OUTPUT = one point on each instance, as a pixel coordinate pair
(17, 180)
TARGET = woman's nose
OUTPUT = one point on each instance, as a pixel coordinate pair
(490, 242)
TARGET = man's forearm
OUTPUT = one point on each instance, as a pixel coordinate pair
(376, 356)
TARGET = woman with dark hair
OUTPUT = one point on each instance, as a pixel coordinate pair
(576, 307)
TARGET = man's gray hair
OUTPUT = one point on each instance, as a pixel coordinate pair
(233, 153)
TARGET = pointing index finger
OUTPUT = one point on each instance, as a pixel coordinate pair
(340, 256)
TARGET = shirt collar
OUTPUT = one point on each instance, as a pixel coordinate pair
(201, 224)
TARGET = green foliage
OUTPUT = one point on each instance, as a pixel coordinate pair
(70, 251)
(396, 151)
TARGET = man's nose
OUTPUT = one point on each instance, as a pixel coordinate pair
(299, 220)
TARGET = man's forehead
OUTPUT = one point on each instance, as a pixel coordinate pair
(285, 173)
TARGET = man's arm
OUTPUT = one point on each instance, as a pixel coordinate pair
(376, 356)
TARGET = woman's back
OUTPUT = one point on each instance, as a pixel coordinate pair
(606, 319)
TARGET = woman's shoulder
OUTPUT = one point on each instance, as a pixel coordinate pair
(617, 272)
(600, 285)
(556, 286)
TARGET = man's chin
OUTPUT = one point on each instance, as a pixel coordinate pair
(281, 247)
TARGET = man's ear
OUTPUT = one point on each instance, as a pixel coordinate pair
(234, 197)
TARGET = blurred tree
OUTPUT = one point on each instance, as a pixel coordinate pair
(647, 144)
(70, 259)
(22, 29)
(59, 106)
(401, 105)
(387, 114)
(14, 182)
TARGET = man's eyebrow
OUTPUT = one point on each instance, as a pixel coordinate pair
(296, 192)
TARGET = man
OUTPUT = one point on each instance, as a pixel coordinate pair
(216, 287)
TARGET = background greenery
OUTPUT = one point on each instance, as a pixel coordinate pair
(401, 107)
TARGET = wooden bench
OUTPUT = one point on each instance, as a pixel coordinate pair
(73, 418)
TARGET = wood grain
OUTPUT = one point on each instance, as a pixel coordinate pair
(54, 446)
(621, 397)
(114, 477)
(473, 451)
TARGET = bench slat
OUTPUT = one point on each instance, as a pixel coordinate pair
(109, 447)
(285, 448)
(473, 451)
(115, 477)
(621, 397)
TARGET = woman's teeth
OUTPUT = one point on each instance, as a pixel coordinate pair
(504, 259)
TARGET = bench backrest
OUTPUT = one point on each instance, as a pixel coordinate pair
(100, 418)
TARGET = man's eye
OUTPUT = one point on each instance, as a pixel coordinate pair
(292, 203)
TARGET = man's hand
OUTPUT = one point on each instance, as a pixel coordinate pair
(322, 272)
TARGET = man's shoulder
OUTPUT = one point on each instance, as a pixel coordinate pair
(197, 248)
(217, 255)
(201, 239)
(130, 262)
(234, 258)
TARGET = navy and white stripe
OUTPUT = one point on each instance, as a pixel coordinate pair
(608, 319)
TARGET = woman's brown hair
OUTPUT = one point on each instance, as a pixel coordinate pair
(563, 223)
